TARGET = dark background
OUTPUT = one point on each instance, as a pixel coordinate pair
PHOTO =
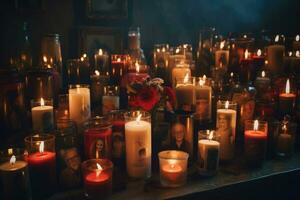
(161, 21)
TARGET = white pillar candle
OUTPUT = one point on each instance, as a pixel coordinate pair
(185, 95)
(203, 99)
(208, 152)
(226, 125)
(42, 115)
(79, 103)
(138, 147)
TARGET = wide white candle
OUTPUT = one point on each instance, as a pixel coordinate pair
(42, 116)
(138, 148)
(203, 100)
(226, 125)
(79, 104)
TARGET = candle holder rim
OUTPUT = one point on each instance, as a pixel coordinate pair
(74, 86)
(86, 164)
(166, 155)
(38, 100)
(223, 102)
(39, 137)
(102, 121)
(16, 151)
(145, 115)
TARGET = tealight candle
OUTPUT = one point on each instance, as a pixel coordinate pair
(255, 142)
(138, 144)
(287, 100)
(97, 176)
(208, 153)
(42, 164)
(173, 168)
(185, 94)
(226, 128)
(42, 115)
(14, 177)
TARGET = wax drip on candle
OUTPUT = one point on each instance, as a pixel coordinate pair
(99, 169)
(297, 38)
(42, 102)
(258, 53)
(41, 147)
(12, 160)
(226, 104)
(246, 54)
(287, 86)
(255, 125)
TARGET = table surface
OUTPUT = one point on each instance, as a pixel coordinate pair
(227, 176)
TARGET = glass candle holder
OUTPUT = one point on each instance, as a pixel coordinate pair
(101, 57)
(134, 38)
(42, 164)
(73, 71)
(284, 138)
(110, 99)
(275, 55)
(255, 147)
(98, 81)
(185, 94)
(203, 92)
(287, 99)
(222, 56)
(79, 103)
(173, 168)
(138, 144)
(208, 152)
(98, 138)
(226, 128)
(68, 154)
(42, 115)
(179, 72)
(118, 67)
(97, 175)
(62, 112)
(14, 176)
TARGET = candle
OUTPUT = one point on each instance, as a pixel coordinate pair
(296, 42)
(247, 70)
(255, 142)
(134, 39)
(287, 100)
(14, 177)
(118, 68)
(97, 138)
(98, 81)
(258, 60)
(203, 99)
(262, 82)
(208, 154)
(222, 57)
(179, 72)
(185, 95)
(286, 139)
(84, 69)
(101, 61)
(42, 164)
(138, 144)
(135, 75)
(79, 103)
(295, 63)
(97, 178)
(42, 115)
(226, 125)
(110, 99)
(275, 57)
(173, 168)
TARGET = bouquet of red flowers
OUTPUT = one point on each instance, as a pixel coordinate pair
(150, 94)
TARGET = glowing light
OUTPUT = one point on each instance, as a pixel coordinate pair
(211, 135)
(227, 104)
(277, 38)
(287, 86)
(297, 54)
(100, 52)
(297, 38)
(137, 67)
(186, 78)
(255, 126)
(97, 72)
(45, 59)
(12, 160)
(263, 74)
(41, 147)
(246, 54)
(42, 102)
(99, 169)
(138, 119)
(222, 44)
(258, 53)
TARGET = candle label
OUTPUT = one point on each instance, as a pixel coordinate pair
(118, 144)
(202, 109)
(69, 164)
(140, 157)
(98, 149)
(109, 103)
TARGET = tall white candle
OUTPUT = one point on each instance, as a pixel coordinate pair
(42, 116)
(138, 148)
(79, 103)
(226, 125)
(203, 99)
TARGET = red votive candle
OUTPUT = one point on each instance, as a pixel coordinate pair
(258, 60)
(97, 175)
(42, 164)
(247, 72)
(255, 142)
(287, 100)
(97, 138)
(118, 67)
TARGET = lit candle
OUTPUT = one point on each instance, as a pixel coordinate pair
(84, 69)
(42, 164)
(98, 81)
(118, 68)
(110, 99)
(208, 152)
(247, 70)
(101, 61)
(295, 62)
(275, 57)
(14, 178)
(226, 125)
(285, 141)
(287, 100)
(222, 57)
(137, 75)
(79, 103)
(173, 168)
(97, 178)
(258, 60)
(203, 99)
(296, 42)
(262, 83)
(138, 145)
(42, 115)
(255, 142)
(185, 95)
(179, 72)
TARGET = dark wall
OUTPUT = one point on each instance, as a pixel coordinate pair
(173, 21)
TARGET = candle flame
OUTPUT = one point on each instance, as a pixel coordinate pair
(297, 38)
(290, 53)
(137, 67)
(246, 54)
(284, 128)
(258, 52)
(227, 104)
(222, 44)
(12, 160)
(84, 55)
(119, 60)
(255, 126)
(138, 119)
(177, 50)
(163, 49)
(266, 62)
(297, 54)
(82, 59)
(158, 50)
(97, 72)
(277, 38)
(99, 169)
(202, 80)
(287, 86)
(211, 135)
(42, 102)
(41, 147)
(186, 78)
(100, 52)
(45, 59)
(245, 36)
(263, 74)
(231, 74)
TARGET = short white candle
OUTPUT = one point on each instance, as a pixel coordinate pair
(42, 116)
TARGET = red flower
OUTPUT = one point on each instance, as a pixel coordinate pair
(171, 97)
(147, 97)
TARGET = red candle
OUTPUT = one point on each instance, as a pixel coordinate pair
(172, 173)
(258, 60)
(118, 68)
(247, 71)
(287, 100)
(98, 142)
(98, 186)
